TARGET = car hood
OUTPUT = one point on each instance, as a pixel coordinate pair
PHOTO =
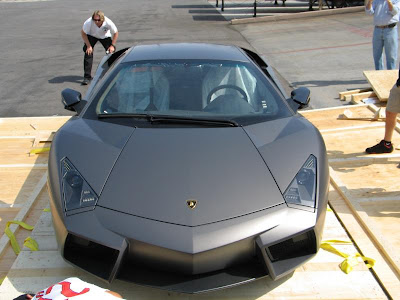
(286, 144)
(91, 146)
(159, 170)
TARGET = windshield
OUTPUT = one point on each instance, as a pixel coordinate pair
(205, 90)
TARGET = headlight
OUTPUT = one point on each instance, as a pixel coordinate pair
(301, 190)
(76, 191)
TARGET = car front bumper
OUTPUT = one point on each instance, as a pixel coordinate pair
(272, 242)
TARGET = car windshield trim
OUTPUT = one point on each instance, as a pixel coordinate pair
(173, 119)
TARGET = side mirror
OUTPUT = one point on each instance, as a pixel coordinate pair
(301, 97)
(71, 100)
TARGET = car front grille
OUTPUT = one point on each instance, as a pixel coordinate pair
(90, 256)
(299, 245)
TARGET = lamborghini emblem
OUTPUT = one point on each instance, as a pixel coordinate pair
(191, 203)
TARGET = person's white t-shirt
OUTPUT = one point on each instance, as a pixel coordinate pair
(107, 29)
(75, 289)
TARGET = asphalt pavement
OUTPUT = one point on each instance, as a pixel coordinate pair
(42, 48)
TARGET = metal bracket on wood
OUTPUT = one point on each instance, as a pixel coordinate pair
(255, 9)
(216, 3)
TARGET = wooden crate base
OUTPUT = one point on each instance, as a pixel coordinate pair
(320, 278)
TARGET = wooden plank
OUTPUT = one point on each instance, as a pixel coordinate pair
(378, 115)
(329, 118)
(28, 126)
(356, 98)
(30, 166)
(351, 92)
(382, 81)
(24, 181)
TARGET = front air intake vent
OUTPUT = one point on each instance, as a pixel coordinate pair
(90, 256)
(299, 245)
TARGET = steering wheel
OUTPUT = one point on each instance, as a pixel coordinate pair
(226, 86)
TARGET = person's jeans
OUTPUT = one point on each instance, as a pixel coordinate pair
(385, 38)
(88, 59)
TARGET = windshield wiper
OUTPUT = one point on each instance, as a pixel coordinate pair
(172, 119)
(191, 120)
(123, 115)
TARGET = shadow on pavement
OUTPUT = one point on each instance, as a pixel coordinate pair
(68, 78)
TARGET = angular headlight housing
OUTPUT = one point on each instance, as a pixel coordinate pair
(76, 192)
(302, 189)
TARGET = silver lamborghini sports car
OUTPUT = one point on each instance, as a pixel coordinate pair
(187, 168)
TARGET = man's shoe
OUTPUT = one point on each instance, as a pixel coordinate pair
(86, 81)
(381, 147)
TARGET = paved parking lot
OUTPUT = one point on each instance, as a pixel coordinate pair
(42, 48)
(326, 54)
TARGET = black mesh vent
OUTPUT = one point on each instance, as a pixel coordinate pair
(90, 256)
(300, 245)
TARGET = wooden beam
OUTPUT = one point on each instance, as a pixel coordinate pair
(30, 166)
(350, 128)
(351, 92)
(356, 98)
(348, 115)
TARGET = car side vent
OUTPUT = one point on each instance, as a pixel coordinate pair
(299, 245)
(95, 258)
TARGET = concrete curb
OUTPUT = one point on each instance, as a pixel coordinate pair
(307, 14)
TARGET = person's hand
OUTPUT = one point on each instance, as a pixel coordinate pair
(111, 49)
(89, 50)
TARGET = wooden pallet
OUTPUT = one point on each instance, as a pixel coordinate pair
(355, 196)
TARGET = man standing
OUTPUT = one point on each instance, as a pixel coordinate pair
(386, 17)
(97, 28)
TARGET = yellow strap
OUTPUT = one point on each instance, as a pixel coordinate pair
(40, 150)
(31, 244)
(2, 279)
(46, 210)
(11, 236)
(336, 242)
(350, 260)
(329, 209)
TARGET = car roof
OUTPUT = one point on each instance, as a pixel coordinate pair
(185, 51)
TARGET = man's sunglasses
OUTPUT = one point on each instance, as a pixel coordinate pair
(97, 20)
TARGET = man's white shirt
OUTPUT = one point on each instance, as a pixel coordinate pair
(107, 29)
